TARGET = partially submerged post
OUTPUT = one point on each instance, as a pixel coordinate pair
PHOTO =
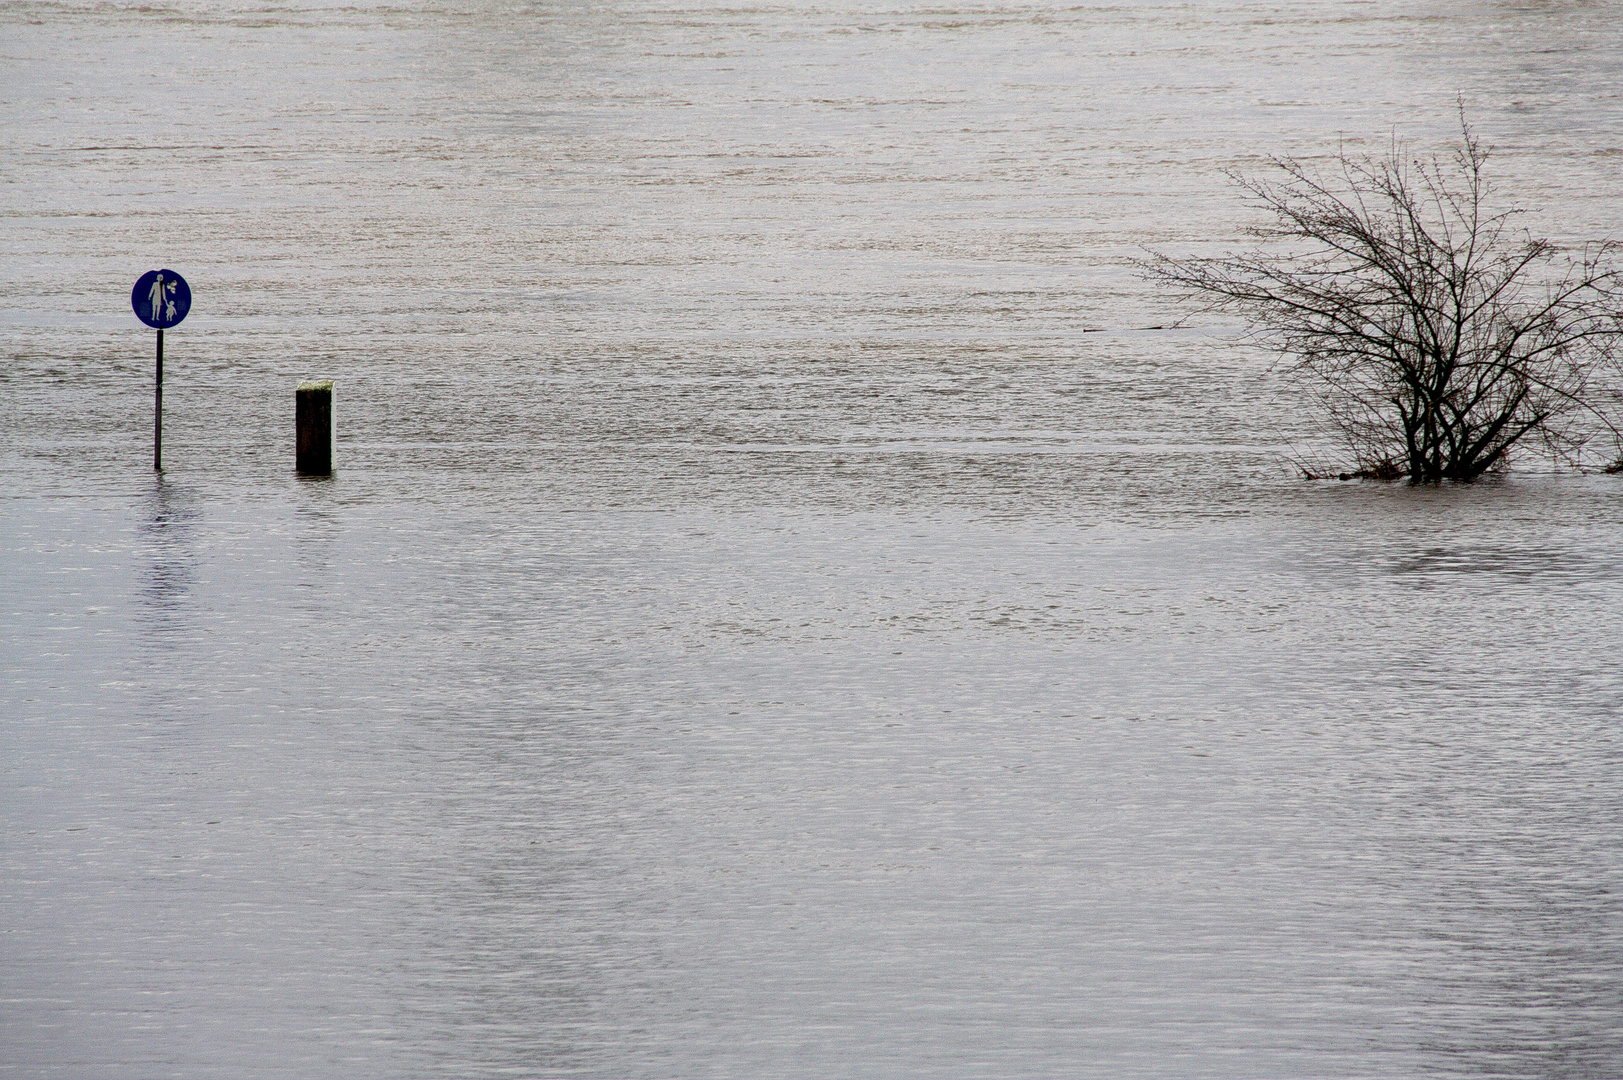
(157, 411)
(314, 421)
(160, 298)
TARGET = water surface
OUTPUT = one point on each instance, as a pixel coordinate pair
(781, 610)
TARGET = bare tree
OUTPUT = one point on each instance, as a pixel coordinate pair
(1438, 337)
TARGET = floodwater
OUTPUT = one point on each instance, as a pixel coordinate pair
(781, 610)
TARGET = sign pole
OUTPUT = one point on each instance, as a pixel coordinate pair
(157, 412)
(160, 298)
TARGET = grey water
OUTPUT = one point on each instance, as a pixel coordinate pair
(792, 602)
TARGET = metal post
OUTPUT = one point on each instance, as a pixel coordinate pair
(157, 412)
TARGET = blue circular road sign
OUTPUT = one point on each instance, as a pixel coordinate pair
(161, 298)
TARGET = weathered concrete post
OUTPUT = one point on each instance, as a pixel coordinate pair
(314, 419)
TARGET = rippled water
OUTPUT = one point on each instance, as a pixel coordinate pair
(781, 610)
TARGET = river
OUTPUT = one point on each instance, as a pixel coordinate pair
(793, 601)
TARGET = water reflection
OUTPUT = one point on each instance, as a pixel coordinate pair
(167, 546)
(1512, 562)
(318, 535)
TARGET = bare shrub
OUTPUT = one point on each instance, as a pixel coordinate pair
(1437, 337)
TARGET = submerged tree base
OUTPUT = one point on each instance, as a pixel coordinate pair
(1385, 470)
(1381, 470)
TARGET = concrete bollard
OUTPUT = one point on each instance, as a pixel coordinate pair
(314, 419)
